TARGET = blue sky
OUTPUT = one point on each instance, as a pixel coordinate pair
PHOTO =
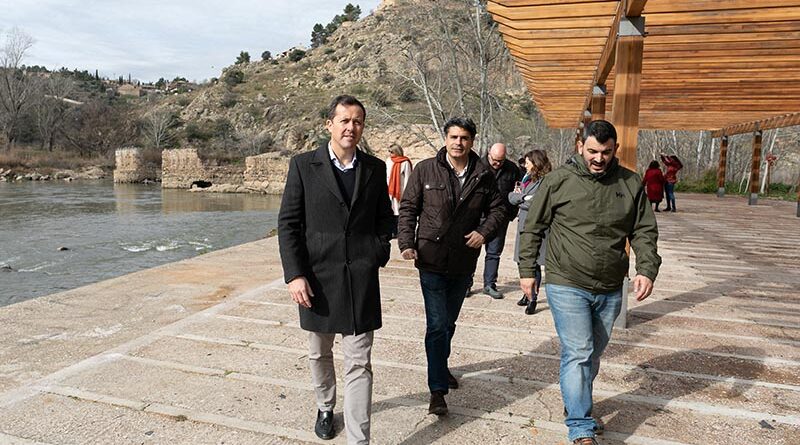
(155, 38)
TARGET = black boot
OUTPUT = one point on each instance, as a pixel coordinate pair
(437, 406)
(523, 301)
(530, 309)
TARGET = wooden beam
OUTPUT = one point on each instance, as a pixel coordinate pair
(627, 89)
(635, 8)
(723, 165)
(785, 120)
(598, 107)
(755, 168)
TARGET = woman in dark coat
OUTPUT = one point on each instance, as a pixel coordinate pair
(536, 166)
(654, 184)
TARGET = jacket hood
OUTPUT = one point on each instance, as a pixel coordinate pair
(577, 165)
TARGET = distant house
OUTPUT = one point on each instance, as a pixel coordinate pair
(130, 90)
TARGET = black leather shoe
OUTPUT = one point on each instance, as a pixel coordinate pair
(523, 301)
(437, 406)
(530, 309)
(452, 383)
(324, 425)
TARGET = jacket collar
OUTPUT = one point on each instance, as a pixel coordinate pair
(475, 166)
(578, 165)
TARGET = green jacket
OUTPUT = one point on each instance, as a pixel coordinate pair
(590, 218)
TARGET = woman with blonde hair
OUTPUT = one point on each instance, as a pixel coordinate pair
(398, 169)
(536, 166)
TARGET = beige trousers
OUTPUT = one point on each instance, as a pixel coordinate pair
(357, 351)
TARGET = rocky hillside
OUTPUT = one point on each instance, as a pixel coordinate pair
(414, 63)
(280, 104)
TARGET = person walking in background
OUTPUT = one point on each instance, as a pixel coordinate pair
(449, 210)
(593, 207)
(536, 166)
(673, 165)
(333, 235)
(506, 175)
(654, 185)
(398, 170)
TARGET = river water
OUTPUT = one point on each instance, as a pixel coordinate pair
(111, 230)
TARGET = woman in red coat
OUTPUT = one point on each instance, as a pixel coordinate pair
(654, 184)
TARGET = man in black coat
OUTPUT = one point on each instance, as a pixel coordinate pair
(506, 175)
(334, 228)
(441, 227)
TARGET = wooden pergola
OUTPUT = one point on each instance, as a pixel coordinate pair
(726, 66)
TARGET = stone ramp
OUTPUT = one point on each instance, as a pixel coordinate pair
(712, 356)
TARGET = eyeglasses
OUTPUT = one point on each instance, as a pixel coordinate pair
(494, 161)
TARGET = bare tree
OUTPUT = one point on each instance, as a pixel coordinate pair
(158, 124)
(51, 107)
(254, 141)
(15, 85)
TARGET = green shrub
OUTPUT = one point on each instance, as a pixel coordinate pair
(407, 95)
(228, 99)
(184, 101)
(380, 98)
(329, 51)
(198, 131)
(706, 184)
(233, 77)
(297, 55)
(327, 77)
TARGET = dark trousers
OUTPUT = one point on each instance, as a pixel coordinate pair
(494, 249)
(443, 295)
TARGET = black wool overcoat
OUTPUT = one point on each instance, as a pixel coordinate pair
(338, 248)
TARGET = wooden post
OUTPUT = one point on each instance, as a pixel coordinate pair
(598, 106)
(798, 196)
(627, 88)
(754, 168)
(723, 165)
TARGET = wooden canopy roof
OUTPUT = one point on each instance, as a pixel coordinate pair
(706, 64)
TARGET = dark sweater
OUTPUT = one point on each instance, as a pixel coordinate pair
(346, 181)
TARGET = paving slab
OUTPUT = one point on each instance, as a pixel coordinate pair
(209, 350)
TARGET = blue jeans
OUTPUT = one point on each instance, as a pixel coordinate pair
(444, 295)
(494, 249)
(583, 322)
(669, 189)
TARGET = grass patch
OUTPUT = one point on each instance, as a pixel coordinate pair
(46, 162)
(708, 184)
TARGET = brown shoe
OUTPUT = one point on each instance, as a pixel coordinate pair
(437, 406)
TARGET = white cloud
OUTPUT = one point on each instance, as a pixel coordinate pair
(151, 39)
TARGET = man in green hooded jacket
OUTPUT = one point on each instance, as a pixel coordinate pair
(593, 208)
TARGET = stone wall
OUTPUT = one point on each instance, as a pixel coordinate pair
(130, 166)
(266, 173)
(183, 167)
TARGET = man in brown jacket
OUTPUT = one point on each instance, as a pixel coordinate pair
(440, 228)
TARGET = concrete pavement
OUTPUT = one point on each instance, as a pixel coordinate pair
(209, 350)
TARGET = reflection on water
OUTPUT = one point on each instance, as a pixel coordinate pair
(110, 230)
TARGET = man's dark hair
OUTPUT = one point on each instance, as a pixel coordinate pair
(461, 122)
(601, 130)
(653, 164)
(344, 100)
